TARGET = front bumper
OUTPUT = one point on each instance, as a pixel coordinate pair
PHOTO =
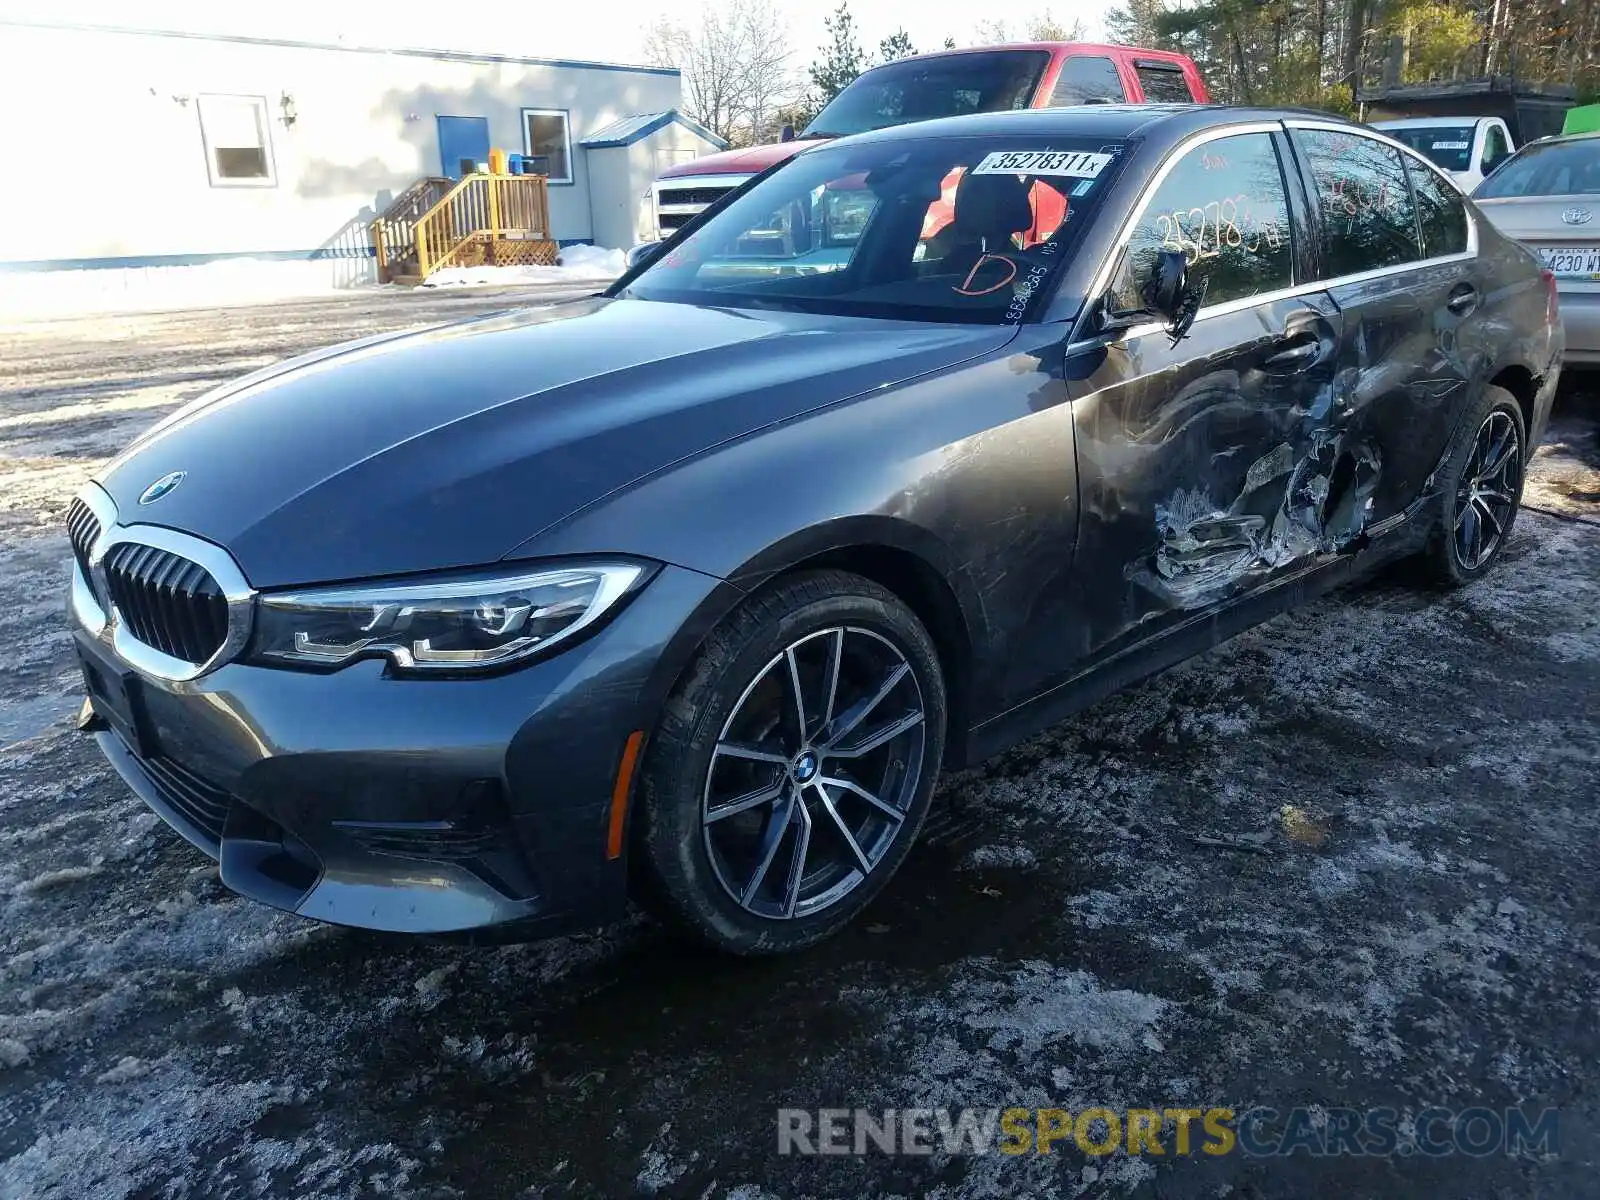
(414, 805)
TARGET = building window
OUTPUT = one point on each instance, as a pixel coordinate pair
(238, 149)
(545, 137)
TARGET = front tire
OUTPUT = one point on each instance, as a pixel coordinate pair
(1481, 489)
(792, 767)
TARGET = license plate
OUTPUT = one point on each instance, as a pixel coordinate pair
(114, 692)
(1580, 261)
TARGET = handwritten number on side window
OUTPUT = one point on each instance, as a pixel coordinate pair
(1205, 231)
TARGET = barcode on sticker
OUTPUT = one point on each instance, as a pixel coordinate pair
(1075, 164)
(1452, 145)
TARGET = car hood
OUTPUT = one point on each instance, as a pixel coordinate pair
(737, 162)
(452, 446)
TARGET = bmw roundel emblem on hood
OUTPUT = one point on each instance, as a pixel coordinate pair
(1576, 216)
(161, 487)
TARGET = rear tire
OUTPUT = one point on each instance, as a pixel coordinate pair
(1481, 491)
(767, 822)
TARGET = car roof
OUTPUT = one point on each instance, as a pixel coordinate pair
(1425, 122)
(1094, 120)
(1562, 137)
(1047, 47)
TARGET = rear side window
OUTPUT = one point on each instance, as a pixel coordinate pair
(1163, 83)
(1440, 211)
(1224, 206)
(1368, 218)
(1086, 77)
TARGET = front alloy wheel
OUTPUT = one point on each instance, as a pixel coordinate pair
(792, 765)
(811, 778)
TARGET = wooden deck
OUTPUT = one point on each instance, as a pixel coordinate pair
(502, 220)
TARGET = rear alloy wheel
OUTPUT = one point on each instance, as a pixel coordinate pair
(793, 766)
(1486, 497)
(1481, 486)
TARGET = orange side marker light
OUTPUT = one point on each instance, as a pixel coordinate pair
(619, 794)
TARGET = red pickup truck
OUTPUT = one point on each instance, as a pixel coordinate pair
(982, 79)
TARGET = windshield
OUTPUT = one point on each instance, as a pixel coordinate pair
(1448, 145)
(920, 89)
(940, 229)
(1564, 168)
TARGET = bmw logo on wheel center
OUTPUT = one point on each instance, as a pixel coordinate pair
(161, 487)
(805, 767)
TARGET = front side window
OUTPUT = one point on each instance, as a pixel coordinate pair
(1368, 218)
(1163, 83)
(920, 89)
(1441, 212)
(967, 229)
(1086, 77)
(1224, 206)
(1448, 145)
(234, 131)
(545, 137)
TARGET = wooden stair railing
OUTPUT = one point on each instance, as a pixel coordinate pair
(394, 239)
(499, 213)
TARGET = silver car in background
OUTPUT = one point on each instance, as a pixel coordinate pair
(1547, 196)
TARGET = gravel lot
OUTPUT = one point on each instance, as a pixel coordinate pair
(1411, 919)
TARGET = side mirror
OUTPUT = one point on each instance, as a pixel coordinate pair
(641, 254)
(1166, 298)
(1169, 286)
(786, 134)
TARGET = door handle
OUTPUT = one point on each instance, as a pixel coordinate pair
(1463, 299)
(1295, 358)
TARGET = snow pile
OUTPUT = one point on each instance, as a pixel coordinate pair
(234, 281)
(579, 264)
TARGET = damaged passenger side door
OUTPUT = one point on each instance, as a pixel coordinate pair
(1196, 457)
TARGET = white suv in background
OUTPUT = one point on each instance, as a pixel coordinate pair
(1468, 148)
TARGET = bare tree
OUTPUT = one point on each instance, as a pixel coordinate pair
(1037, 27)
(769, 82)
(735, 63)
(1042, 27)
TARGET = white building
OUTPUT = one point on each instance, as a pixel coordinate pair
(136, 148)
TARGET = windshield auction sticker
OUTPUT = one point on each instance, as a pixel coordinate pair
(1080, 164)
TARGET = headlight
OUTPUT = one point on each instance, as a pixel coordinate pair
(448, 625)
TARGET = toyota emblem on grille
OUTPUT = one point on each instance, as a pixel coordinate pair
(1577, 216)
(161, 487)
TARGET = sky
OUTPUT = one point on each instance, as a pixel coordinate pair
(605, 30)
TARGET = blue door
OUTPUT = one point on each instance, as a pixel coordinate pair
(463, 144)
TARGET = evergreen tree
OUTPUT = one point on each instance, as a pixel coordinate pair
(842, 58)
(896, 45)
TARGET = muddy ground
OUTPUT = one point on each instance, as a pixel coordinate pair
(1405, 914)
